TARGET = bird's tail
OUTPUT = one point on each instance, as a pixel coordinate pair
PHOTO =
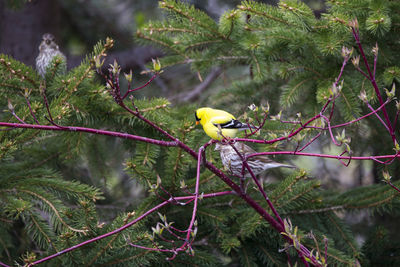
(244, 126)
(288, 166)
(280, 165)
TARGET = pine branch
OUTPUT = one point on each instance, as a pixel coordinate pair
(116, 231)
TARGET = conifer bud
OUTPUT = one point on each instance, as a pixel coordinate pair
(10, 106)
(163, 218)
(128, 76)
(232, 14)
(341, 137)
(109, 43)
(375, 49)
(98, 62)
(157, 230)
(100, 225)
(266, 108)
(29, 258)
(27, 92)
(156, 65)
(346, 52)
(354, 23)
(277, 117)
(334, 90)
(115, 68)
(396, 146)
(391, 94)
(356, 61)
(363, 96)
(194, 233)
(182, 184)
(386, 176)
(288, 225)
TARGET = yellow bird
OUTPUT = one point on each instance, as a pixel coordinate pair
(218, 123)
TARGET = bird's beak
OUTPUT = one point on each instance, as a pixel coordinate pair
(197, 122)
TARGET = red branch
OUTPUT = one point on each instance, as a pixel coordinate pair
(375, 158)
(140, 87)
(393, 186)
(88, 130)
(371, 78)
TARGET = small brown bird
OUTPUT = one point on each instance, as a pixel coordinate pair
(233, 163)
(48, 49)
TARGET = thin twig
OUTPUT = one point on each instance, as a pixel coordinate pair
(371, 78)
(30, 110)
(140, 87)
(325, 155)
(393, 186)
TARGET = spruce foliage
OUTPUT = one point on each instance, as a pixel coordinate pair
(55, 184)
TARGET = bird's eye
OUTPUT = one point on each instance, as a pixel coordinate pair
(197, 118)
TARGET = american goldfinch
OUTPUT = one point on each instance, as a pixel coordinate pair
(216, 122)
(233, 163)
(48, 49)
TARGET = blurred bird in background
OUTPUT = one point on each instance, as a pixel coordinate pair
(48, 49)
(233, 162)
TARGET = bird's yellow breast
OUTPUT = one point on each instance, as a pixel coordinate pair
(209, 118)
(215, 133)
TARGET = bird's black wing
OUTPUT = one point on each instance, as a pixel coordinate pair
(232, 124)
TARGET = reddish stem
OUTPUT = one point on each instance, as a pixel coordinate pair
(392, 185)
(89, 130)
(30, 110)
(259, 209)
(141, 87)
(330, 130)
(246, 165)
(376, 60)
(305, 125)
(196, 197)
(373, 82)
(362, 72)
(16, 116)
(325, 155)
(379, 117)
(310, 142)
(283, 137)
(362, 117)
